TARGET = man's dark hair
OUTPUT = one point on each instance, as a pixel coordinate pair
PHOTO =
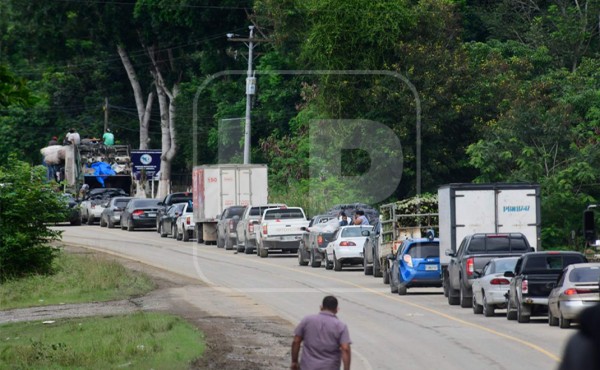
(360, 212)
(330, 303)
(343, 214)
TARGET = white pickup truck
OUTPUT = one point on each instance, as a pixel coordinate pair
(280, 229)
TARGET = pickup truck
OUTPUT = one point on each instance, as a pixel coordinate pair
(315, 238)
(245, 230)
(280, 228)
(474, 252)
(534, 278)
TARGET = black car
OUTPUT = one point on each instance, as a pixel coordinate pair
(226, 226)
(73, 210)
(168, 201)
(139, 213)
(167, 222)
(111, 215)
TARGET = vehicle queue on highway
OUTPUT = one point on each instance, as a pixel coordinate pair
(513, 277)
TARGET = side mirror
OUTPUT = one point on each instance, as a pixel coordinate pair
(509, 274)
(160, 204)
(477, 274)
(304, 228)
(365, 233)
(450, 253)
(390, 257)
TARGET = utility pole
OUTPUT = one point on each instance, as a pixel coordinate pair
(250, 88)
(105, 113)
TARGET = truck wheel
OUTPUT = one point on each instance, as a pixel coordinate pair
(453, 297)
(263, 252)
(102, 223)
(247, 248)
(376, 266)
(510, 314)
(368, 270)
(488, 309)
(465, 302)
(301, 259)
(386, 275)
(337, 264)
(564, 323)
(90, 220)
(522, 317)
(110, 224)
(477, 308)
(313, 261)
(178, 236)
(552, 321)
(393, 286)
(402, 289)
(220, 242)
(228, 243)
(130, 226)
(161, 230)
(186, 236)
(173, 232)
(198, 233)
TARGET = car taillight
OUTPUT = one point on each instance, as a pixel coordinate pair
(408, 259)
(524, 287)
(250, 228)
(347, 244)
(265, 230)
(573, 291)
(499, 281)
(187, 220)
(230, 225)
(470, 266)
(137, 212)
(320, 239)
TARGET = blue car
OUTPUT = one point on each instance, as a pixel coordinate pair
(417, 264)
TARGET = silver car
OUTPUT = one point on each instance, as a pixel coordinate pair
(489, 290)
(577, 288)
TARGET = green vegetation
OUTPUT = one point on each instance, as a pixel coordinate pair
(27, 204)
(75, 279)
(507, 92)
(137, 341)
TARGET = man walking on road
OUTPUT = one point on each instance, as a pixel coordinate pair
(326, 340)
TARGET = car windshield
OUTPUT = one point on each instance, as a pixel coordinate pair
(145, 202)
(551, 262)
(181, 199)
(283, 213)
(585, 274)
(504, 264)
(237, 211)
(258, 211)
(121, 203)
(354, 232)
(424, 250)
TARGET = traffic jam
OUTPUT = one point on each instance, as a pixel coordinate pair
(478, 243)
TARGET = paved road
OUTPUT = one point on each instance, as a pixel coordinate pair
(419, 330)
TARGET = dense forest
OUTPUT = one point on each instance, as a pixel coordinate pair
(501, 91)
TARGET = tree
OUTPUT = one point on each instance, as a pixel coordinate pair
(27, 205)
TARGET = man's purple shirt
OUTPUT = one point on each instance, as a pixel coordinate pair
(322, 335)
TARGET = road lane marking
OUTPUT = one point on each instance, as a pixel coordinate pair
(201, 276)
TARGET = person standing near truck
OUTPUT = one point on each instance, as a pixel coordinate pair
(326, 340)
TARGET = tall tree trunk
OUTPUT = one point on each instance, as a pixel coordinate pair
(168, 112)
(143, 109)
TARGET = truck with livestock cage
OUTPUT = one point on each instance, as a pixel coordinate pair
(216, 187)
(408, 218)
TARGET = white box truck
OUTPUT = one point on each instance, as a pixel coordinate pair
(500, 208)
(216, 187)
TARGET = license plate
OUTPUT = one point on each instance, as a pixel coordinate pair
(151, 214)
(431, 267)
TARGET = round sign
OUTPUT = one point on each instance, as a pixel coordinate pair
(146, 159)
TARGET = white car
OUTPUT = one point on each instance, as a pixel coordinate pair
(346, 246)
(185, 223)
(489, 290)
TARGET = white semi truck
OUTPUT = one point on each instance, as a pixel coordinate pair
(499, 208)
(216, 187)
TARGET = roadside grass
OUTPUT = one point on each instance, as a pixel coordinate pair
(136, 341)
(77, 279)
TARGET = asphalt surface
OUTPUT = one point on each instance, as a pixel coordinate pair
(388, 331)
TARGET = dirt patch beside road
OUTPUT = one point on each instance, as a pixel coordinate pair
(240, 334)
